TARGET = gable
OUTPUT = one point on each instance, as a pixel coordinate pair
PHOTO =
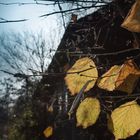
(99, 32)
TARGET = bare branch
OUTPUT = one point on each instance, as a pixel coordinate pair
(70, 10)
(105, 54)
(7, 21)
(21, 4)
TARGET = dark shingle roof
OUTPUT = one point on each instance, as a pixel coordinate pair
(100, 29)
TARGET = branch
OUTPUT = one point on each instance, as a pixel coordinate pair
(70, 10)
(77, 98)
(105, 54)
(54, 2)
(74, 1)
(7, 21)
(7, 72)
(31, 3)
(122, 96)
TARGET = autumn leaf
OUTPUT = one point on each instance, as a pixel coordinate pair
(120, 77)
(126, 120)
(50, 109)
(128, 77)
(132, 20)
(82, 71)
(107, 81)
(48, 131)
(88, 112)
(129, 84)
(129, 67)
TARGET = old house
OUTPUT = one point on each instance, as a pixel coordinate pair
(100, 37)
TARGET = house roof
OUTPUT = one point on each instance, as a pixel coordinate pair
(99, 32)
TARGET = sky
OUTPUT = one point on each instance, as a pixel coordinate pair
(31, 12)
(50, 26)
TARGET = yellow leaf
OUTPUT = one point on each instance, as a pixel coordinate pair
(48, 131)
(132, 20)
(88, 112)
(126, 120)
(50, 108)
(82, 71)
(123, 77)
(107, 81)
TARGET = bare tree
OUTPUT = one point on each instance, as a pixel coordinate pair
(26, 53)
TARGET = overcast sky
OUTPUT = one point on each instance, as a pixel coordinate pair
(31, 12)
(49, 25)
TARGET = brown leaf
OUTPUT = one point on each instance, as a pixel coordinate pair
(132, 20)
(123, 77)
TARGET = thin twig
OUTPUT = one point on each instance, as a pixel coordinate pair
(7, 21)
(70, 10)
